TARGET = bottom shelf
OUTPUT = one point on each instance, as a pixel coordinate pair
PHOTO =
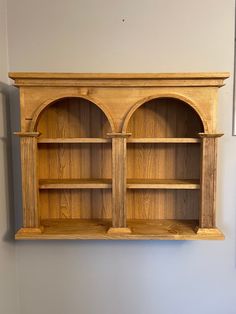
(96, 229)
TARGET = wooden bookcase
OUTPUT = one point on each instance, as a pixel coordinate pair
(119, 156)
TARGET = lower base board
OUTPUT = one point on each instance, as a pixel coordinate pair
(97, 229)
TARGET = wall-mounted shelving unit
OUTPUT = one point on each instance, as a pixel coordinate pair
(119, 156)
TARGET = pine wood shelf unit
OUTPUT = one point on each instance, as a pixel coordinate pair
(119, 156)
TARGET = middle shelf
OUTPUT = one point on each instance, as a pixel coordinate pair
(75, 184)
(143, 140)
(184, 184)
(170, 184)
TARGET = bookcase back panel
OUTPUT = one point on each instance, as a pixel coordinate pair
(74, 161)
(163, 161)
(165, 117)
(163, 204)
(85, 204)
(73, 117)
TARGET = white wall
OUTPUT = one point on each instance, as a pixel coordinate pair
(8, 283)
(145, 276)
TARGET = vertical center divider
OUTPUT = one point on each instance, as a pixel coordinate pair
(119, 145)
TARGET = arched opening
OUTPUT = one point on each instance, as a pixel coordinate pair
(74, 160)
(72, 117)
(165, 117)
(164, 148)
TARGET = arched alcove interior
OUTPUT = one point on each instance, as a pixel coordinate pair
(73, 118)
(164, 118)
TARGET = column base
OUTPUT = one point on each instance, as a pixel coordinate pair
(121, 230)
(31, 230)
(214, 232)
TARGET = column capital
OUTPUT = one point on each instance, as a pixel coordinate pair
(27, 134)
(118, 135)
(210, 135)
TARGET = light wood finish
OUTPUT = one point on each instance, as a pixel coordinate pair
(118, 230)
(75, 184)
(164, 118)
(67, 162)
(119, 79)
(118, 135)
(30, 231)
(29, 181)
(64, 229)
(164, 140)
(208, 232)
(208, 180)
(210, 135)
(100, 76)
(118, 181)
(152, 204)
(134, 90)
(73, 118)
(163, 184)
(76, 203)
(27, 134)
(119, 156)
(73, 140)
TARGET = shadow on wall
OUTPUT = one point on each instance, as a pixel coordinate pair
(11, 161)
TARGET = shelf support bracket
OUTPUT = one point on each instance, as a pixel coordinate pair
(30, 194)
(208, 180)
(119, 141)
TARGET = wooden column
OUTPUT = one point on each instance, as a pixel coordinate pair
(31, 219)
(208, 181)
(119, 142)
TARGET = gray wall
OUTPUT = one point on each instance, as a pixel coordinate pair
(144, 276)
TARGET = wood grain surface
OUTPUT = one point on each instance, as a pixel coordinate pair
(87, 229)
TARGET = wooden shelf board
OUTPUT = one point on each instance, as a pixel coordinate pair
(107, 184)
(86, 229)
(73, 140)
(176, 140)
(129, 140)
(75, 184)
(183, 184)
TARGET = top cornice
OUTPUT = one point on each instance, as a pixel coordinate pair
(119, 79)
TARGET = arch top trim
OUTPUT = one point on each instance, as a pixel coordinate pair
(175, 96)
(51, 101)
